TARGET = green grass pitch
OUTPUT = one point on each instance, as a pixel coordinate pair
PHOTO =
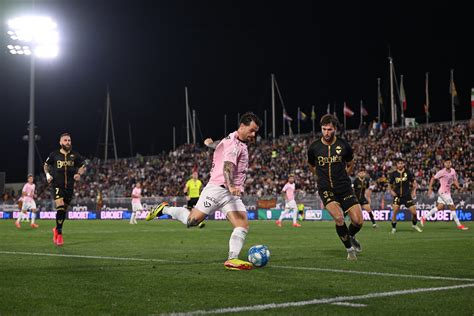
(160, 267)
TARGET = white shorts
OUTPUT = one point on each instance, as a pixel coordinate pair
(215, 197)
(137, 207)
(445, 198)
(291, 205)
(28, 206)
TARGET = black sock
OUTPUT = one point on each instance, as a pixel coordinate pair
(343, 233)
(354, 229)
(371, 215)
(414, 220)
(394, 224)
(60, 217)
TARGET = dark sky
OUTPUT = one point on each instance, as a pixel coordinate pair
(224, 51)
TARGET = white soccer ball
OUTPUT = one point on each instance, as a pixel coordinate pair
(259, 255)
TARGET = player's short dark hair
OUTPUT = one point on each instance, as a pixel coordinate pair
(29, 175)
(248, 117)
(64, 134)
(399, 159)
(362, 169)
(329, 119)
(447, 158)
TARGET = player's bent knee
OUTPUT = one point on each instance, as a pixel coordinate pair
(339, 220)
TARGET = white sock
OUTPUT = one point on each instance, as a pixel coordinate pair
(236, 242)
(455, 217)
(431, 212)
(295, 216)
(33, 217)
(19, 217)
(132, 218)
(179, 213)
(283, 214)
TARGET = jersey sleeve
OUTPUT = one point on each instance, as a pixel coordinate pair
(349, 154)
(24, 188)
(392, 178)
(411, 177)
(50, 160)
(231, 152)
(285, 187)
(438, 174)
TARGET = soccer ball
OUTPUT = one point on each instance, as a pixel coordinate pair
(259, 255)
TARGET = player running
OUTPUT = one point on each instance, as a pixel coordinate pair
(28, 195)
(446, 176)
(399, 186)
(331, 159)
(363, 192)
(67, 167)
(288, 193)
(136, 203)
(228, 173)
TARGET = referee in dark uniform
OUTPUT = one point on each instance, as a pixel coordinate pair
(403, 189)
(63, 168)
(331, 159)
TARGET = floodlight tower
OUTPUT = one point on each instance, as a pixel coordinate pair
(36, 37)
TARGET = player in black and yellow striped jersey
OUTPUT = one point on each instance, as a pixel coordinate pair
(363, 192)
(63, 168)
(331, 159)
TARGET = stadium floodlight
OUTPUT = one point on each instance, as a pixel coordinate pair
(36, 37)
(39, 32)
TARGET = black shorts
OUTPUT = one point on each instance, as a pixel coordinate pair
(363, 201)
(406, 200)
(192, 202)
(345, 197)
(63, 193)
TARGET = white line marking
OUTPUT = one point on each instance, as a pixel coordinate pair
(88, 257)
(254, 308)
(349, 304)
(411, 276)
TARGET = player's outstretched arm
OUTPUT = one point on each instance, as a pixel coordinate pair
(210, 143)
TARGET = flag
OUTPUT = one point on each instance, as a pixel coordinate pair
(403, 98)
(453, 92)
(472, 97)
(313, 114)
(347, 111)
(329, 109)
(287, 117)
(363, 111)
(302, 116)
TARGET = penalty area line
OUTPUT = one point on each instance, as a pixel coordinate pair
(343, 300)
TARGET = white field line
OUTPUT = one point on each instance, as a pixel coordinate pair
(331, 300)
(410, 276)
(349, 304)
(383, 274)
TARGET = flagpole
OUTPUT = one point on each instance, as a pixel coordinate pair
(402, 89)
(312, 117)
(298, 117)
(453, 111)
(378, 99)
(361, 112)
(344, 114)
(284, 123)
(187, 114)
(273, 109)
(225, 125)
(427, 99)
(329, 109)
(392, 100)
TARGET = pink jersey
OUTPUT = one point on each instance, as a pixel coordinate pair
(233, 150)
(137, 192)
(445, 180)
(289, 189)
(29, 189)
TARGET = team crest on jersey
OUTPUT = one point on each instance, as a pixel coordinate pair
(338, 150)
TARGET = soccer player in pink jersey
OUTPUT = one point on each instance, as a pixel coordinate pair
(28, 195)
(136, 203)
(288, 193)
(446, 176)
(223, 191)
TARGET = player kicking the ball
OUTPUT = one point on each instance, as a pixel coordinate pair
(228, 173)
(446, 176)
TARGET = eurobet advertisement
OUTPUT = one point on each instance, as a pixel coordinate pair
(379, 215)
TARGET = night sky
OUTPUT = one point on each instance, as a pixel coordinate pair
(224, 51)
